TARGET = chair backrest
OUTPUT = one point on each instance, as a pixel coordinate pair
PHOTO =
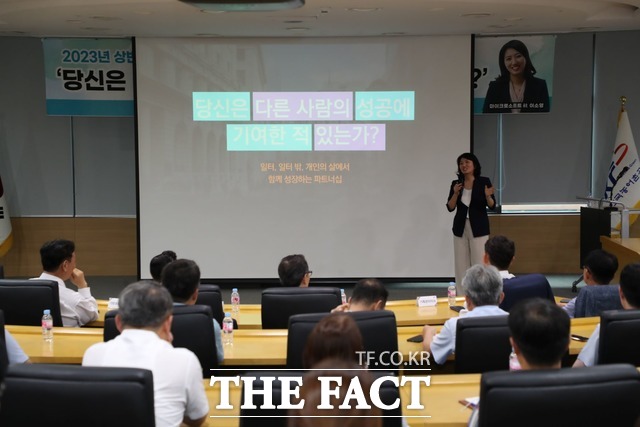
(211, 296)
(1, 271)
(619, 332)
(524, 287)
(593, 300)
(594, 396)
(378, 329)
(482, 344)
(192, 328)
(278, 304)
(276, 417)
(4, 355)
(98, 396)
(23, 301)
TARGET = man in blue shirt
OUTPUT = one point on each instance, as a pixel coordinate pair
(482, 286)
(182, 278)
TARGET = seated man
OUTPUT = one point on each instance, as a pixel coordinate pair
(368, 294)
(294, 271)
(14, 351)
(158, 262)
(499, 251)
(482, 286)
(540, 333)
(630, 300)
(599, 268)
(182, 278)
(144, 318)
(59, 264)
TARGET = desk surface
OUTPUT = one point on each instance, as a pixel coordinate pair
(441, 401)
(406, 311)
(252, 347)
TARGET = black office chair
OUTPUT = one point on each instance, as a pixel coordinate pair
(211, 296)
(595, 396)
(619, 332)
(593, 300)
(278, 304)
(77, 396)
(378, 329)
(258, 417)
(482, 344)
(23, 301)
(4, 356)
(524, 287)
(192, 328)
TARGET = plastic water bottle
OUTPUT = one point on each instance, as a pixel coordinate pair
(451, 293)
(47, 326)
(235, 301)
(514, 364)
(227, 329)
(343, 296)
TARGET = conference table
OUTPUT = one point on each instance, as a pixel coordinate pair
(407, 313)
(251, 347)
(441, 400)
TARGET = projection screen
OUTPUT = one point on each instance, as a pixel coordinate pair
(339, 149)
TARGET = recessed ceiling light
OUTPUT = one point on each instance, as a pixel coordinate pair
(475, 15)
(364, 9)
(513, 18)
(106, 18)
(300, 29)
(586, 28)
(212, 11)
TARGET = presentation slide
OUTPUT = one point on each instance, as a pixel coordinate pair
(339, 149)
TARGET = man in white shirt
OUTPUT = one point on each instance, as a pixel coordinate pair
(59, 264)
(144, 319)
(499, 251)
(482, 286)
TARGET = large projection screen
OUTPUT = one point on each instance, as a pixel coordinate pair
(339, 149)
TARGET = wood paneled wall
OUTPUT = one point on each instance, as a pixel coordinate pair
(108, 246)
(548, 244)
(104, 246)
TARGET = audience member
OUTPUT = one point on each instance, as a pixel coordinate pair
(630, 300)
(14, 351)
(311, 392)
(540, 333)
(336, 336)
(158, 262)
(59, 264)
(499, 251)
(294, 271)
(144, 318)
(483, 293)
(598, 269)
(539, 336)
(182, 278)
(368, 294)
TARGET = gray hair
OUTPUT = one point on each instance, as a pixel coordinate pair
(483, 285)
(144, 304)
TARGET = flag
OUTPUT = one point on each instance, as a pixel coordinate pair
(6, 235)
(623, 182)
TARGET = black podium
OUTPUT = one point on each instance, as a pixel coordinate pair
(593, 224)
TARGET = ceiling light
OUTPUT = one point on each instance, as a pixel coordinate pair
(364, 9)
(244, 5)
(475, 15)
(299, 29)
